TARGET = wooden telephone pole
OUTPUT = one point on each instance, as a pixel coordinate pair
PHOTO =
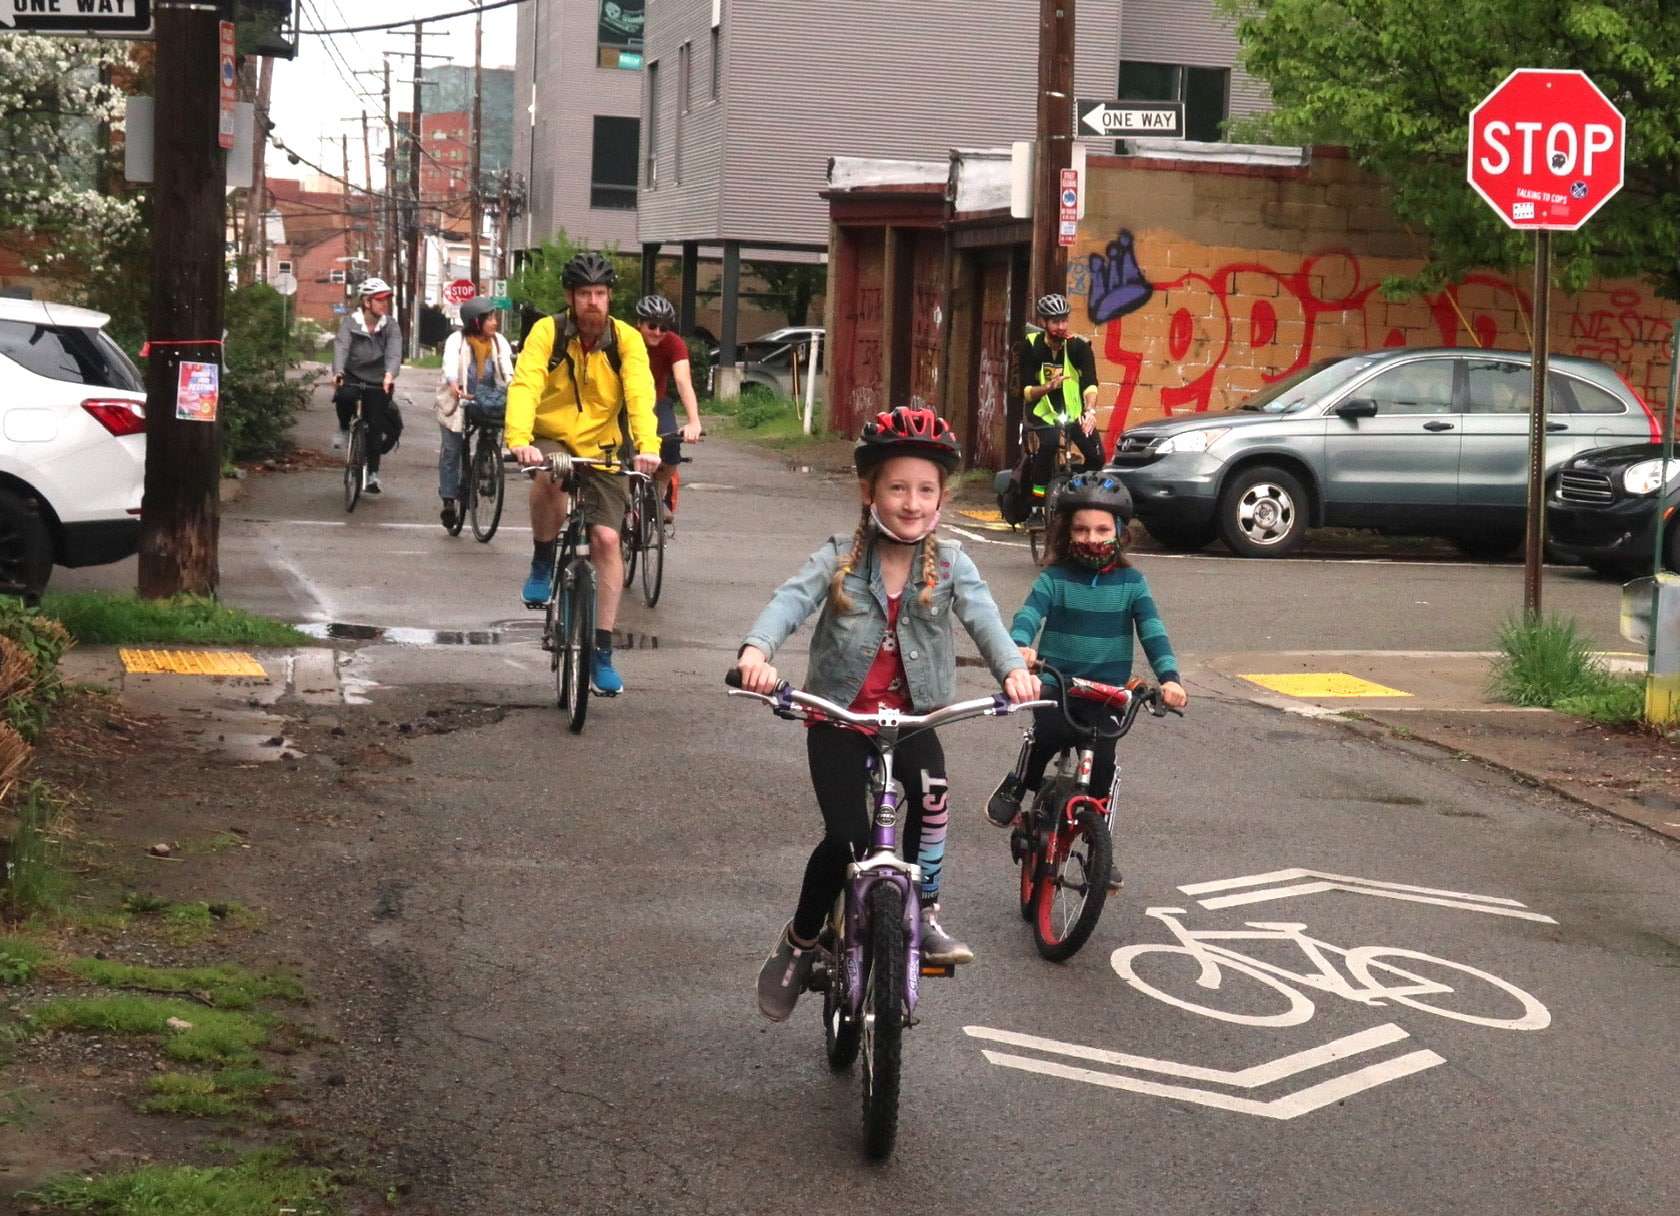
(1055, 144)
(179, 519)
(477, 204)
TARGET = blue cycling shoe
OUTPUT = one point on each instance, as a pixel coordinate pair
(602, 678)
(535, 591)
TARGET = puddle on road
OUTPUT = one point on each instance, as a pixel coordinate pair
(500, 633)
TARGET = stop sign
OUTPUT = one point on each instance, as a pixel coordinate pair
(1546, 149)
(460, 291)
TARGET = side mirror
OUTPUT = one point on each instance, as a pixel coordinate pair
(1357, 407)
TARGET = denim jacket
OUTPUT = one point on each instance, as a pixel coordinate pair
(845, 644)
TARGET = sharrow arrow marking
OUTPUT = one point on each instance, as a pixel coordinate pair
(1493, 905)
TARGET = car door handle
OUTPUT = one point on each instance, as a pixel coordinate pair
(1554, 427)
(1437, 426)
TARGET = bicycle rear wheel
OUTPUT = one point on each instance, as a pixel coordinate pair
(464, 491)
(1074, 885)
(579, 651)
(883, 1019)
(355, 463)
(489, 486)
(652, 546)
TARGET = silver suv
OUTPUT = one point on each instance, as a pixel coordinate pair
(1430, 442)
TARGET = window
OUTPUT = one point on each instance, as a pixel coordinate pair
(1424, 387)
(684, 76)
(1496, 386)
(1205, 93)
(651, 177)
(335, 276)
(612, 173)
(70, 354)
(717, 59)
(284, 267)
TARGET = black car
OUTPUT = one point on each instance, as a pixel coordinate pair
(1601, 509)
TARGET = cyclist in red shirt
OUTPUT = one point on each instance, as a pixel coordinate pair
(668, 359)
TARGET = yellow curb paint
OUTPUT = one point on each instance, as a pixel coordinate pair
(983, 514)
(190, 663)
(1323, 684)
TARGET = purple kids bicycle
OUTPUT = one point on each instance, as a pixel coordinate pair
(869, 961)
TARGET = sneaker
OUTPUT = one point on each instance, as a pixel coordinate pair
(939, 946)
(665, 515)
(535, 590)
(602, 678)
(371, 486)
(449, 514)
(1004, 806)
(782, 977)
(340, 438)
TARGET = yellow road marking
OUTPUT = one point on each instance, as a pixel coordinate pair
(1323, 684)
(190, 663)
(984, 514)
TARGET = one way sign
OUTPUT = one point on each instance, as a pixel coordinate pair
(1128, 119)
(95, 18)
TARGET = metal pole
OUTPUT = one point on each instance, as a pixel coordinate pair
(1668, 457)
(811, 378)
(416, 277)
(1536, 537)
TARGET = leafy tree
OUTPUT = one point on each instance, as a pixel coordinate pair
(259, 400)
(1395, 81)
(790, 286)
(537, 285)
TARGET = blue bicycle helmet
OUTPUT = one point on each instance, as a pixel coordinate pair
(1096, 491)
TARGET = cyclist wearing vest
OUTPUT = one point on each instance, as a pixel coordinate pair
(1058, 384)
(578, 373)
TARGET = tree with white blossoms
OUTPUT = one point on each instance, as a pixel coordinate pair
(54, 95)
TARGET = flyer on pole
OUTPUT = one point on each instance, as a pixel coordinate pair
(197, 392)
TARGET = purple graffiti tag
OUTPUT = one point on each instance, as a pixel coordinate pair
(1117, 283)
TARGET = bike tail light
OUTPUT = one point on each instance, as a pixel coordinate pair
(118, 417)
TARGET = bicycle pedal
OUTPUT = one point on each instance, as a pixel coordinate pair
(940, 969)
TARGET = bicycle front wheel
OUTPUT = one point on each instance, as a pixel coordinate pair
(883, 1019)
(630, 536)
(489, 486)
(579, 654)
(355, 464)
(652, 546)
(1073, 886)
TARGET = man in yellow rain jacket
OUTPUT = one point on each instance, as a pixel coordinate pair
(569, 392)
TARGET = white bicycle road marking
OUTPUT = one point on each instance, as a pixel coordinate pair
(1289, 1106)
(1367, 965)
(1321, 881)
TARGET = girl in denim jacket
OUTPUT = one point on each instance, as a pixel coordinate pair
(884, 638)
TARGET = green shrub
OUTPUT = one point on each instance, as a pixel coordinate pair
(1550, 664)
(36, 877)
(759, 406)
(259, 401)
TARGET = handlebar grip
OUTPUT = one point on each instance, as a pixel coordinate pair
(733, 679)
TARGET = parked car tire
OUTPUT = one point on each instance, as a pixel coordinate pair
(1489, 546)
(1263, 512)
(26, 556)
(1180, 537)
(1619, 572)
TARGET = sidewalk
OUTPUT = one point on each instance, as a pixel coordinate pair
(1439, 698)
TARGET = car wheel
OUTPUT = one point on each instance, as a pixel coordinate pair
(25, 548)
(1263, 512)
(1183, 537)
(1489, 547)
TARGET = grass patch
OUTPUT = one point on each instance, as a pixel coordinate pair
(100, 619)
(429, 360)
(260, 1185)
(215, 1036)
(225, 986)
(185, 924)
(230, 1093)
(20, 959)
(1551, 664)
(38, 883)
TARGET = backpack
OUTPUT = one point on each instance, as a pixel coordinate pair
(562, 352)
(1014, 491)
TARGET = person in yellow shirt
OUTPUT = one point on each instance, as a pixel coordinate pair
(578, 375)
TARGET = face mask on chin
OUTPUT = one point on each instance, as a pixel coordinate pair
(1096, 554)
(875, 518)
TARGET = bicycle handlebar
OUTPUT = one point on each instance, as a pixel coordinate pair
(788, 700)
(1138, 696)
(559, 464)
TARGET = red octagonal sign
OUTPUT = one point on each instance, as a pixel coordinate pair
(1546, 149)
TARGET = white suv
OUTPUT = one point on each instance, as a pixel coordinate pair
(72, 444)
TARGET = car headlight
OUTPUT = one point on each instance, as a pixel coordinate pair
(1646, 477)
(1192, 441)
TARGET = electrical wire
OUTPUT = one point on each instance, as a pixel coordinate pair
(397, 25)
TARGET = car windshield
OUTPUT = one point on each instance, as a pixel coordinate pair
(1306, 387)
(69, 353)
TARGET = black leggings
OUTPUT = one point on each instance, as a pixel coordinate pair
(1044, 462)
(376, 406)
(841, 782)
(1051, 734)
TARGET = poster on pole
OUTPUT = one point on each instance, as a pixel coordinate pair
(197, 392)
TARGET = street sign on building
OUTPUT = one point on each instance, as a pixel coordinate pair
(1128, 119)
(1546, 149)
(93, 18)
(460, 291)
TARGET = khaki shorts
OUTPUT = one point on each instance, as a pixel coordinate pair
(606, 496)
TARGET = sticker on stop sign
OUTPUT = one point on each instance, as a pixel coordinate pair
(1546, 149)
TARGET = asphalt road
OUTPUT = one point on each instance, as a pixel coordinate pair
(571, 926)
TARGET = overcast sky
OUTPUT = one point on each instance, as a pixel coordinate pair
(315, 99)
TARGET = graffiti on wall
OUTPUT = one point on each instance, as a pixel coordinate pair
(1242, 325)
(994, 376)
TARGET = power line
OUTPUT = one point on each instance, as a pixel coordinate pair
(397, 25)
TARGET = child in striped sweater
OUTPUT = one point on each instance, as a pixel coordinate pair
(1088, 603)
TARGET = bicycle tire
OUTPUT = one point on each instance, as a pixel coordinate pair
(1300, 1007)
(629, 537)
(1062, 925)
(580, 652)
(1362, 959)
(463, 491)
(653, 546)
(883, 1029)
(1051, 795)
(355, 464)
(489, 485)
(1036, 544)
(841, 1038)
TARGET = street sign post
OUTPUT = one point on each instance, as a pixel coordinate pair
(1128, 119)
(79, 18)
(1546, 151)
(459, 292)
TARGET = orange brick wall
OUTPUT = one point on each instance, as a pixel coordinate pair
(1198, 285)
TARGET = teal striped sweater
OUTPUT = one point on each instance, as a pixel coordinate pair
(1088, 620)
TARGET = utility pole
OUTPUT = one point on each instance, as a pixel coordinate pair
(349, 218)
(375, 232)
(477, 204)
(179, 518)
(415, 278)
(256, 198)
(393, 245)
(1055, 143)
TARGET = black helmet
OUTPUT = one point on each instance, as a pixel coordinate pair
(1052, 307)
(656, 310)
(906, 432)
(1097, 491)
(587, 269)
(475, 309)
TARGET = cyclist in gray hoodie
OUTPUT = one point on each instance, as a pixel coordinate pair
(367, 355)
